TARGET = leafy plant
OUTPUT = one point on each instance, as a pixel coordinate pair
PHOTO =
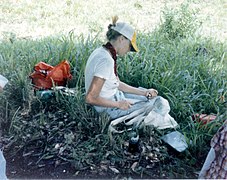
(179, 23)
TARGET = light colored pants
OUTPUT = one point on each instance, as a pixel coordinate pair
(114, 113)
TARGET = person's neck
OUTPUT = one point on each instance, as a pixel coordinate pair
(113, 53)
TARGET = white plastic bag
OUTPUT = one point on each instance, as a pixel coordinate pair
(3, 81)
(154, 113)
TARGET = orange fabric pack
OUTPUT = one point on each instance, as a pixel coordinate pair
(46, 76)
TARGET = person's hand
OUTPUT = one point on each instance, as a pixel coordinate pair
(150, 93)
(124, 105)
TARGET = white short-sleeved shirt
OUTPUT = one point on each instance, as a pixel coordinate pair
(101, 64)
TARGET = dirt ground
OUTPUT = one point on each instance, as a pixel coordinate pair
(18, 167)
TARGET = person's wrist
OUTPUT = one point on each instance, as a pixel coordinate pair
(148, 94)
(117, 104)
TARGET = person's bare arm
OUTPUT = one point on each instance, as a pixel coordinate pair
(93, 97)
(133, 90)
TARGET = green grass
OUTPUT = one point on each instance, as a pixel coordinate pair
(186, 68)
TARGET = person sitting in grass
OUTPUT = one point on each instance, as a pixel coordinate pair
(104, 89)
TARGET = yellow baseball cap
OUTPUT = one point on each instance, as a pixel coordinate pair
(127, 31)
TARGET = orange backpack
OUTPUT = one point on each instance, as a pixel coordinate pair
(46, 76)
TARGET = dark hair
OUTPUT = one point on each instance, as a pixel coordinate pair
(112, 34)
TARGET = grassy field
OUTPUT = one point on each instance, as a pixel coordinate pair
(182, 54)
(33, 19)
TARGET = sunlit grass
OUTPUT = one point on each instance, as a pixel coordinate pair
(35, 19)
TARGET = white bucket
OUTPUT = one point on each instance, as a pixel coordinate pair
(3, 81)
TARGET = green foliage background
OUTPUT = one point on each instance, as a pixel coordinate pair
(187, 69)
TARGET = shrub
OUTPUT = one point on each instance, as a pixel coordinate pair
(179, 23)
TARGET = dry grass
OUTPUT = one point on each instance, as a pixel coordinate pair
(31, 18)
